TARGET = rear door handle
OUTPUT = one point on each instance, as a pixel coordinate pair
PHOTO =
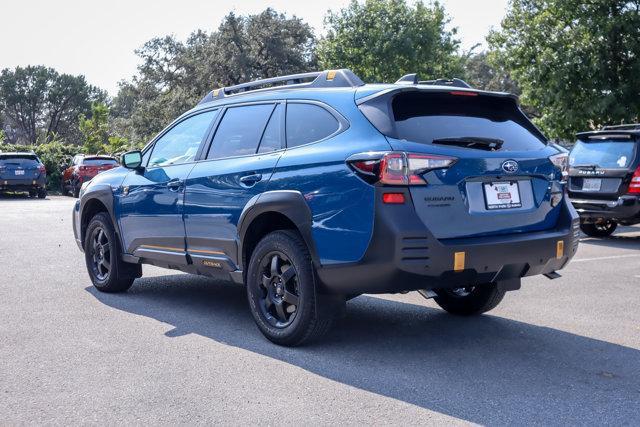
(175, 184)
(251, 180)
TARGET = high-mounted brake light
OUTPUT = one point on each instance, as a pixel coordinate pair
(634, 185)
(462, 93)
(397, 168)
(561, 161)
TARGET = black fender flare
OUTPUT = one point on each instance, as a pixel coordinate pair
(289, 203)
(104, 194)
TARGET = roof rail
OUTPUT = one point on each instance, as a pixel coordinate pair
(315, 79)
(631, 126)
(412, 79)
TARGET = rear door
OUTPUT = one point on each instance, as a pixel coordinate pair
(244, 152)
(19, 167)
(601, 165)
(502, 180)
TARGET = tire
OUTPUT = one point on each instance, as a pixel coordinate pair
(604, 229)
(106, 269)
(63, 188)
(75, 188)
(282, 294)
(32, 194)
(470, 301)
(42, 193)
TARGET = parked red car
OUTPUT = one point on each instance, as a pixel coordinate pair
(82, 169)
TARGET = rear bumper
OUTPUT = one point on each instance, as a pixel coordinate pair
(403, 255)
(624, 208)
(22, 184)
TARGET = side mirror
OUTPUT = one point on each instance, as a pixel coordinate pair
(132, 159)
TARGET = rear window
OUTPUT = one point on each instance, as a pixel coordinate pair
(21, 159)
(99, 162)
(604, 154)
(425, 117)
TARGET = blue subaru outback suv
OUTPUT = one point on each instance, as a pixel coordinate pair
(314, 188)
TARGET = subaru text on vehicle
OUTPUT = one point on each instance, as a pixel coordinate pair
(23, 172)
(323, 188)
(604, 178)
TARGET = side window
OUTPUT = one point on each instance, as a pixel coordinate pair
(271, 139)
(180, 144)
(308, 123)
(239, 131)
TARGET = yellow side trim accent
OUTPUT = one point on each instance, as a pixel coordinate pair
(458, 261)
(560, 249)
(216, 92)
(331, 75)
(164, 248)
(202, 251)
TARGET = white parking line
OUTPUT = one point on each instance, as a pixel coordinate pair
(606, 257)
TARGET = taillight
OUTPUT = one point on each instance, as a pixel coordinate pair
(82, 168)
(561, 161)
(634, 186)
(42, 169)
(397, 168)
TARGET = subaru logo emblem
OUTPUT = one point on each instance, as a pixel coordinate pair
(510, 166)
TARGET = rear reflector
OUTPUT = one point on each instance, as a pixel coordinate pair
(393, 198)
(458, 261)
(560, 249)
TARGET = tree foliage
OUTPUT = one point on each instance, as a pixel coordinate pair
(98, 136)
(381, 40)
(37, 100)
(174, 76)
(577, 62)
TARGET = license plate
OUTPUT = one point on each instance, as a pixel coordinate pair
(591, 184)
(502, 195)
(19, 172)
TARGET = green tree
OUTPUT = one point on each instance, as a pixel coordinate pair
(381, 40)
(98, 135)
(485, 75)
(37, 100)
(173, 75)
(577, 62)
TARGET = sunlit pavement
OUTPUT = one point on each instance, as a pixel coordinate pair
(184, 349)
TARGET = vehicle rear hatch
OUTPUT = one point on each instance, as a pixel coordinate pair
(19, 167)
(91, 166)
(602, 163)
(502, 179)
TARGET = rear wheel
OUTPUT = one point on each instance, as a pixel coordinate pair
(471, 300)
(103, 257)
(76, 189)
(599, 229)
(42, 193)
(32, 194)
(63, 188)
(281, 291)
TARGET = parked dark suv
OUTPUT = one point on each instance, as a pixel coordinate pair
(23, 172)
(324, 188)
(604, 179)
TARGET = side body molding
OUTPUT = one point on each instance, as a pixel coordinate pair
(289, 203)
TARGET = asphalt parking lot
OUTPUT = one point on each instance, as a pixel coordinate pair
(184, 349)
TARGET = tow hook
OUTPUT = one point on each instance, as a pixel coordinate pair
(552, 275)
(428, 294)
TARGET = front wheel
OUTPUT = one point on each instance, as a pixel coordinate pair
(76, 189)
(281, 291)
(599, 229)
(471, 300)
(42, 193)
(103, 257)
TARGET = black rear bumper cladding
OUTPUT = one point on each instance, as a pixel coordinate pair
(403, 255)
(22, 184)
(623, 208)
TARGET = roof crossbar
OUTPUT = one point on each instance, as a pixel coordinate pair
(315, 79)
(630, 126)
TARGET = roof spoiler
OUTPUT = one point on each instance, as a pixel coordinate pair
(600, 135)
(412, 79)
(315, 79)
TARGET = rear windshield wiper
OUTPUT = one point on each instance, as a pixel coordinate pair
(479, 143)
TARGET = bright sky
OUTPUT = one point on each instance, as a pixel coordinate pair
(98, 39)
